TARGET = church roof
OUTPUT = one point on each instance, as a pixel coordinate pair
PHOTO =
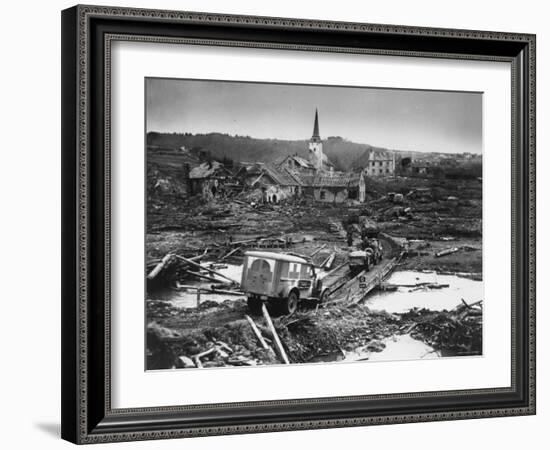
(316, 126)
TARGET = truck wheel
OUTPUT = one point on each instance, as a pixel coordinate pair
(254, 304)
(290, 304)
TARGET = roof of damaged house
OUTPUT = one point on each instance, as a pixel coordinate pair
(302, 162)
(208, 169)
(331, 179)
(280, 176)
(373, 154)
(379, 154)
(334, 179)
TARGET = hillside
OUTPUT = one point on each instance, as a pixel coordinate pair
(343, 153)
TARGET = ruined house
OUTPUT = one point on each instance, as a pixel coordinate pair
(295, 163)
(208, 179)
(420, 167)
(273, 183)
(338, 187)
(294, 177)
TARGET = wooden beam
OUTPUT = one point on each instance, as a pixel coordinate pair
(278, 343)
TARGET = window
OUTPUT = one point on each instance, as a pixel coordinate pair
(294, 271)
(322, 195)
(290, 270)
(305, 271)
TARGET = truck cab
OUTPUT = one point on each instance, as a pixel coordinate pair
(280, 279)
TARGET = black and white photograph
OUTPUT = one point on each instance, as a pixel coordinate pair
(291, 224)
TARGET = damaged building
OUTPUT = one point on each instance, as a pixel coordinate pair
(379, 162)
(337, 187)
(208, 179)
(274, 184)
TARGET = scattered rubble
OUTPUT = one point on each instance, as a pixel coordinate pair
(307, 335)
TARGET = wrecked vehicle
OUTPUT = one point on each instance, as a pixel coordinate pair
(280, 279)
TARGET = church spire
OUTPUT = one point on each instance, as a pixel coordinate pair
(316, 136)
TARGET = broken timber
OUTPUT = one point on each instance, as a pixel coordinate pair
(193, 263)
(257, 332)
(278, 343)
(447, 251)
(327, 263)
(160, 266)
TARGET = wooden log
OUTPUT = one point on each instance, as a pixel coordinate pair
(447, 251)
(318, 250)
(200, 275)
(205, 353)
(159, 267)
(327, 264)
(209, 291)
(257, 332)
(278, 343)
(193, 263)
(427, 285)
(230, 253)
(224, 346)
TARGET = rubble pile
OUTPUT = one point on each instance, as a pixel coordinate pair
(453, 333)
(220, 336)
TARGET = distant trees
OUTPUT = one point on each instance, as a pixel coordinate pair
(465, 171)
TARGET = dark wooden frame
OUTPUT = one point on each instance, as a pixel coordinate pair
(87, 31)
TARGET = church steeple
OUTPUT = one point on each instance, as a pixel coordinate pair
(316, 156)
(316, 137)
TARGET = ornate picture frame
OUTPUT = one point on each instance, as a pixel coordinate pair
(87, 35)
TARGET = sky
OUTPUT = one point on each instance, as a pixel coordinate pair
(399, 119)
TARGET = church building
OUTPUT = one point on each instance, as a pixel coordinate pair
(316, 156)
(317, 177)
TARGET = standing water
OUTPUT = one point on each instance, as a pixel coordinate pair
(187, 298)
(406, 297)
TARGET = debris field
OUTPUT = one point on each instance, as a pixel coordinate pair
(431, 225)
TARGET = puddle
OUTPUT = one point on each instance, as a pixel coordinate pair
(398, 348)
(406, 298)
(188, 298)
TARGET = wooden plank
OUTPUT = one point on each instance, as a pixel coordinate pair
(257, 332)
(158, 268)
(278, 343)
(193, 263)
(318, 250)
